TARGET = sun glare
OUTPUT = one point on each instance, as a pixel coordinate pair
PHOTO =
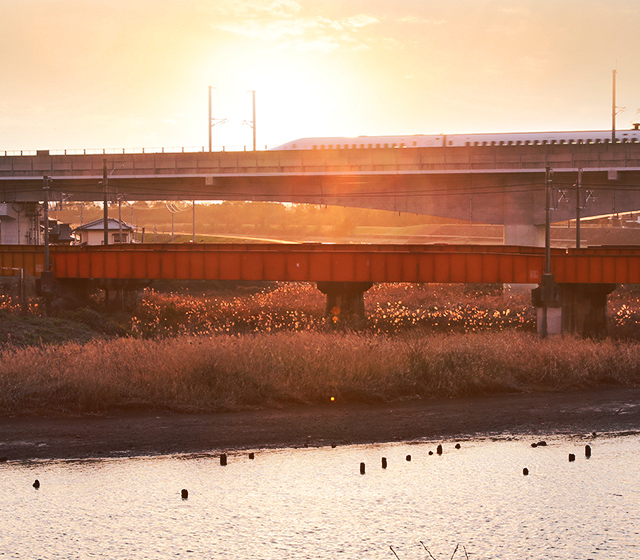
(296, 95)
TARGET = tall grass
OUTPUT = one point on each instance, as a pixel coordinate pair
(213, 373)
(390, 308)
(270, 348)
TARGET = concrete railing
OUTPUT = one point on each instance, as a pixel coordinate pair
(112, 151)
(376, 160)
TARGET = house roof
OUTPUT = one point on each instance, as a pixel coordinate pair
(112, 224)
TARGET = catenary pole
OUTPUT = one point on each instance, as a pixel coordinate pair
(105, 205)
(613, 111)
(578, 207)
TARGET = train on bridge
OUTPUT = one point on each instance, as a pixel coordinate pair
(457, 140)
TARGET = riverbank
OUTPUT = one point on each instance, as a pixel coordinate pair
(128, 434)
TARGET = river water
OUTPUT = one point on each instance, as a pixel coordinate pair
(314, 503)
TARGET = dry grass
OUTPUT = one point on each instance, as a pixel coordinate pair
(220, 372)
(390, 308)
(272, 348)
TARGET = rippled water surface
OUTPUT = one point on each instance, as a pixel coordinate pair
(314, 503)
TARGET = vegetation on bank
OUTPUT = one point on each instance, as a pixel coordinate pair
(203, 350)
(220, 372)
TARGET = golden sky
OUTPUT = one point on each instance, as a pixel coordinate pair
(135, 73)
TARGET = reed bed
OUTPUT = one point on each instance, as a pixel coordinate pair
(273, 347)
(220, 372)
(390, 308)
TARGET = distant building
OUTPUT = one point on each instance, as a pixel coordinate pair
(22, 223)
(92, 233)
(59, 233)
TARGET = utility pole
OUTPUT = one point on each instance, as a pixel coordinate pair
(193, 204)
(547, 222)
(252, 123)
(120, 219)
(46, 276)
(45, 188)
(105, 205)
(212, 121)
(578, 207)
(547, 285)
(613, 111)
(253, 93)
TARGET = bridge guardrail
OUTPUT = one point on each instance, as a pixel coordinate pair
(114, 151)
(407, 160)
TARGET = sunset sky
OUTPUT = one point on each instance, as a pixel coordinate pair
(135, 73)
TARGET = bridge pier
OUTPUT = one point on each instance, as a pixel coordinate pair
(120, 294)
(573, 309)
(345, 301)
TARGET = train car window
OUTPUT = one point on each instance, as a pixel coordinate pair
(402, 145)
(322, 146)
(450, 142)
(377, 145)
(315, 146)
(330, 146)
(415, 143)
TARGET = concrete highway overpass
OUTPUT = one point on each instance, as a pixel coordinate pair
(502, 185)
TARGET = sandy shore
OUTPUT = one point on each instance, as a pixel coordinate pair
(148, 433)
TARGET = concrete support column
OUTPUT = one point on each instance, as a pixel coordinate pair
(76, 290)
(123, 294)
(575, 309)
(524, 234)
(119, 294)
(345, 301)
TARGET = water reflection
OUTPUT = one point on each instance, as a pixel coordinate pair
(314, 503)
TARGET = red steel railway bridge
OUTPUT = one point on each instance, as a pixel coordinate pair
(576, 302)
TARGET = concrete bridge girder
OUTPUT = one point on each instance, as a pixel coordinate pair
(515, 198)
(502, 185)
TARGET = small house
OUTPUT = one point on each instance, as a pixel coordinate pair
(92, 233)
